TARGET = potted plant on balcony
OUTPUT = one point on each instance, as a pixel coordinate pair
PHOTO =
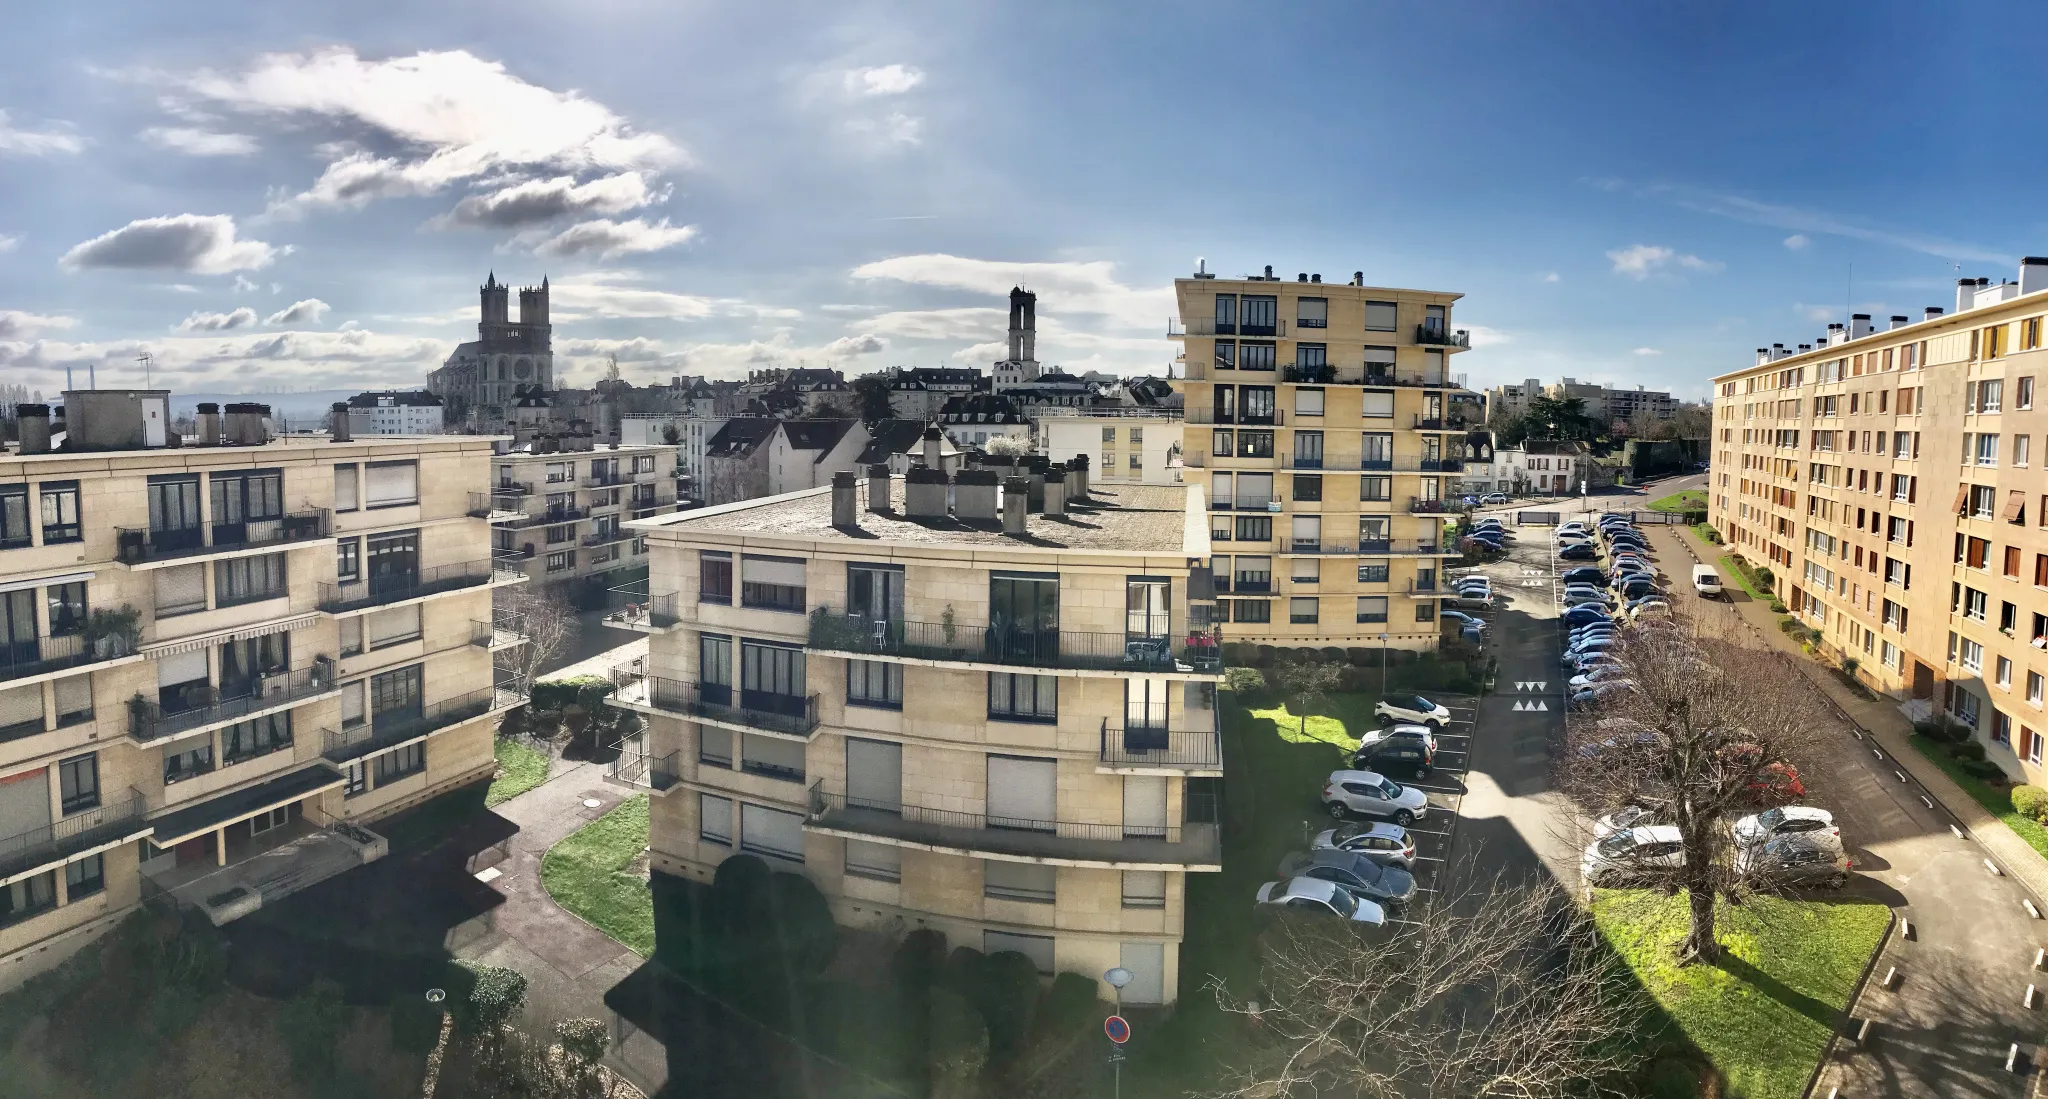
(113, 633)
(129, 545)
(140, 711)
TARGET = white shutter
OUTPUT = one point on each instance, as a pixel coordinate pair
(1308, 402)
(783, 755)
(22, 704)
(180, 588)
(393, 483)
(714, 818)
(1038, 948)
(74, 695)
(772, 832)
(1308, 528)
(874, 773)
(1378, 404)
(175, 668)
(352, 702)
(1144, 805)
(784, 571)
(1147, 963)
(1221, 487)
(1254, 489)
(1021, 792)
(25, 800)
(386, 626)
(874, 860)
(345, 488)
(715, 743)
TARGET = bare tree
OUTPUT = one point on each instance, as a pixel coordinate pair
(1503, 990)
(1706, 731)
(1310, 683)
(550, 623)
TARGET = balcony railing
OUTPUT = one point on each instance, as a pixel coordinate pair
(513, 488)
(1128, 746)
(398, 726)
(659, 611)
(504, 628)
(1440, 423)
(1419, 506)
(36, 656)
(607, 537)
(1428, 588)
(498, 507)
(1442, 337)
(1015, 645)
(1116, 844)
(392, 587)
(1208, 327)
(542, 516)
(207, 705)
(1244, 503)
(1200, 416)
(134, 545)
(787, 714)
(55, 840)
(665, 771)
(608, 480)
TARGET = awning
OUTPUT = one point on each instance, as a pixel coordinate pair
(218, 637)
(41, 581)
(180, 825)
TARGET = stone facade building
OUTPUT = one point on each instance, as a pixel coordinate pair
(481, 378)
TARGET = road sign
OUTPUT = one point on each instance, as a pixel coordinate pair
(1118, 1030)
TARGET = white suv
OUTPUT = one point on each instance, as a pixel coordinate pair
(1371, 795)
(1411, 710)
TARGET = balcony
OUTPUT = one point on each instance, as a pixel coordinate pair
(657, 773)
(1420, 506)
(44, 655)
(1246, 503)
(1209, 327)
(545, 516)
(1436, 336)
(654, 613)
(503, 631)
(1014, 646)
(1173, 846)
(377, 591)
(143, 545)
(513, 488)
(1128, 749)
(1428, 589)
(110, 821)
(607, 537)
(1440, 423)
(497, 507)
(607, 480)
(207, 705)
(1199, 416)
(394, 727)
(786, 715)
(1308, 373)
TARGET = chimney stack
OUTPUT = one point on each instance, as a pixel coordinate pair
(34, 423)
(1056, 492)
(1859, 325)
(845, 500)
(209, 424)
(1269, 272)
(1763, 355)
(1079, 465)
(974, 495)
(1016, 506)
(878, 488)
(1358, 278)
(338, 431)
(924, 493)
(933, 444)
(2033, 274)
(1897, 322)
(1966, 292)
(245, 424)
(1930, 313)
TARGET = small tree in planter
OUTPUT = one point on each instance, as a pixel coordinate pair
(113, 633)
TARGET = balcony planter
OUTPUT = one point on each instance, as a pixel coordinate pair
(130, 545)
(113, 634)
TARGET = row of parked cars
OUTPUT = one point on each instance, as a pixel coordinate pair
(1363, 870)
(1789, 844)
(1622, 588)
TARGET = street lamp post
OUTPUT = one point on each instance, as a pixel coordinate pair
(1117, 978)
(1383, 665)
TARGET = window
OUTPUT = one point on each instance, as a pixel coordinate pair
(1372, 608)
(1375, 405)
(1302, 610)
(1308, 486)
(2001, 729)
(1308, 402)
(1254, 528)
(1312, 312)
(1983, 501)
(2004, 673)
(714, 578)
(560, 534)
(1987, 449)
(877, 683)
(395, 695)
(765, 831)
(1307, 570)
(240, 499)
(14, 524)
(1255, 356)
(1971, 656)
(561, 562)
(1251, 610)
(879, 861)
(1014, 696)
(1894, 616)
(348, 559)
(60, 512)
(1975, 604)
(1258, 315)
(714, 819)
(1425, 610)
(1372, 572)
(260, 737)
(771, 757)
(1222, 442)
(28, 896)
(1308, 450)
(391, 484)
(1375, 488)
(1032, 883)
(401, 762)
(248, 579)
(1380, 316)
(2012, 561)
(190, 763)
(772, 583)
(66, 608)
(174, 517)
(355, 780)
(79, 783)
(1109, 436)
(2022, 449)
(2034, 687)
(85, 877)
(1255, 444)
(1144, 889)
(1226, 354)
(1226, 314)
(2023, 388)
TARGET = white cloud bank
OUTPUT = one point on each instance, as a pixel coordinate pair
(203, 244)
(25, 142)
(1641, 261)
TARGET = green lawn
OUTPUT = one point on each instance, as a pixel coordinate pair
(587, 874)
(1997, 802)
(1691, 499)
(1764, 1013)
(1705, 532)
(1743, 578)
(521, 767)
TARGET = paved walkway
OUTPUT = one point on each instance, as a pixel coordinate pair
(1944, 1028)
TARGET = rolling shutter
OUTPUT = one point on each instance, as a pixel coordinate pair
(1147, 963)
(176, 668)
(768, 831)
(874, 774)
(25, 797)
(781, 571)
(180, 588)
(345, 488)
(392, 483)
(352, 703)
(391, 625)
(22, 705)
(1021, 793)
(1145, 805)
(74, 696)
(1378, 404)
(783, 758)
(1308, 529)
(1038, 948)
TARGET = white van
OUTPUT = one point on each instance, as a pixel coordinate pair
(1706, 581)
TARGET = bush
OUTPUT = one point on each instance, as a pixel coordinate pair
(415, 1023)
(1362, 658)
(963, 971)
(555, 694)
(1007, 996)
(1333, 655)
(919, 959)
(1244, 680)
(1966, 750)
(308, 1024)
(1777, 607)
(497, 997)
(1984, 769)
(585, 1040)
(1071, 1003)
(803, 924)
(1766, 579)
(2029, 801)
(1267, 655)
(959, 1045)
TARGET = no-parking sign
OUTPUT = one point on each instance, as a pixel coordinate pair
(1118, 1030)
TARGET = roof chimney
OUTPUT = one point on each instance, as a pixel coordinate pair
(1269, 272)
(878, 487)
(845, 500)
(1966, 289)
(33, 421)
(1079, 464)
(934, 441)
(1016, 505)
(924, 493)
(974, 495)
(1803, 349)
(338, 430)
(2033, 274)
(1930, 313)
(1859, 325)
(1303, 277)
(1763, 355)
(209, 424)
(1897, 322)
(1056, 492)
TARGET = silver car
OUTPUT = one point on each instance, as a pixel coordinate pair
(1359, 875)
(1322, 898)
(1388, 844)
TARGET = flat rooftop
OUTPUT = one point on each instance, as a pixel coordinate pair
(1114, 518)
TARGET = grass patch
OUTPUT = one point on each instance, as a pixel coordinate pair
(1996, 801)
(1764, 1013)
(1744, 578)
(1705, 532)
(589, 874)
(521, 767)
(1691, 499)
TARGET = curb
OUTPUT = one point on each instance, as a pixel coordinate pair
(1848, 1012)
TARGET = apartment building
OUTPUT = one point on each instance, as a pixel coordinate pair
(995, 719)
(1322, 419)
(1126, 444)
(1603, 403)
(1821, 457)
(222, 647)
(559, 505)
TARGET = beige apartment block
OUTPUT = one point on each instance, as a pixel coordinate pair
(1322, 419)
(210, 653)
(998, 721)
(1141, 445)
(559, 506)
(1892, 482)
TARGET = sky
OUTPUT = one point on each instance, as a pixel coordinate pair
(281, 195)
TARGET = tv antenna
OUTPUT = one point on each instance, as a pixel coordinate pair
(144, 360)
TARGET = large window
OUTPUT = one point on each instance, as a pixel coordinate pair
(84, 877)
(771, 677)
(396, 695)
(260, 737)
(876, 591)
(772, 583)
(248, 579)
(1226, 314)
(60, 512)
(1018, 697)
(390, 484)
(1312, 312)
(1380, 316)
(394, 561)
(1376, 450)
(1145, 606)
(400, 762)
(1254, 528)
(1308, 450)
(1259, 315)
(1302, 610)
(240, 499)
(1256, 356)
(66, 608)
(877, 683)
(1018, 881)
(190, 763)
(1372, 608)
(14, 522)
(79, 783)
(25, 897)
(714, 668)
(174, 520)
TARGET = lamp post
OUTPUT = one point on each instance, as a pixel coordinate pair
(1117, 978)
(435, 997)
(1383, 665)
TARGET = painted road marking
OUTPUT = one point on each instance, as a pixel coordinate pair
(1530, 684)
(1519, 705)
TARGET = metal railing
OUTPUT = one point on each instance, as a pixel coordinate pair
(76, 832)
(1209, 327)
(498, 507)
(37, 655)
(1124, 745)
(795, 716)
(513, 488)
(608, 480)
(607, 537)
(504, 628)
(1244, 503)
(1201, 416)
(1419, 506)
(398, 726)
(208, 705)
(390, 588)
(1441, 423)
(1188, 844)
(134, 545)
(542, 516)
(665, 771)
(659, 611)
(1015, 645)
(1442, 337)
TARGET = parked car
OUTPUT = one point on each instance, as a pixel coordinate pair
(1583, 551)
(1461, 618)
(1623, 819)
(1588, 598)
(1370, 794)
(1492, 498)
(1585, 574)
(1411, 709)
(1795, 860)
(1653, 607)
(1645, 851)
(1322, 898)
(1706, 581)
(1405, 758)
(1359, 875)
(1586, 612)
(1604, 674)
(1588, 697)
(1786, 820)
(1424, 735)
(1377, 840)
(1582, 664)
(1573, 527)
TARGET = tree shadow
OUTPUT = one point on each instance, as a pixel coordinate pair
(1777, 990)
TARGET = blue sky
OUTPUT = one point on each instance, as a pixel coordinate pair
(282, 195)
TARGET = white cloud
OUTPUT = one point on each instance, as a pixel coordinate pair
(305, 311)
(1550, 276)
(243, 317)
(15, 325)
(1062, 287)
(9, 243)
(197, 142)
(243, 286)
(14, 139)
(938, 324)
(1483, 336)
(1818, 314)
(618, 294)
(1798, 241)
(365, 358)
(201, 244)
(607, 239)
(847, 347)
(1641, 261)
(1646, 351)
(884, 80)
(183, 287)
(538, 201)
(457, 118)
